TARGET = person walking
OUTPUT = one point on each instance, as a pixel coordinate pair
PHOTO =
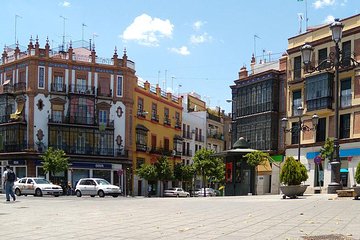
(9, 179)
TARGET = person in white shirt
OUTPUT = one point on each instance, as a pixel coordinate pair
(9, 183)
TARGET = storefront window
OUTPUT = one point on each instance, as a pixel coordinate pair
(40, 172)
(77, 174)
(105, 174)
(20, 172)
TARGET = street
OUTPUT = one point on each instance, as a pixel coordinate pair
(245, 217)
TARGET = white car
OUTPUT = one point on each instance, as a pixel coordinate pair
(176, 192)
(209, 192)
(96, 186)
(36, 186)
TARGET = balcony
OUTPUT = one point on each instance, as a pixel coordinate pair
(160, 151)
(167, 121)
(187, 153)
(81, 121)
(155, 117)
(20, 87)
(199, 138)
(141, 147)
(58, 88)
(187, 135)
(81, 89)
(17, 147)
(177, 124)
(107, 93)
(319, 91)
(215, 135)
(93, 151)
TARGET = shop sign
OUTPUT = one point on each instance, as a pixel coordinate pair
(317, 160)
(16, 162)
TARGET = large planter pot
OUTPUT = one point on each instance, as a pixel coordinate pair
(293, 191)
(357, 192)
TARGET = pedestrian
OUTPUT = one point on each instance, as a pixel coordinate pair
(149, 190)
(9, 179)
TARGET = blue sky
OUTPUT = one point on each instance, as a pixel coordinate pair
(199, 45)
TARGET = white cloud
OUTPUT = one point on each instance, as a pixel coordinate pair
(323, 3)
(182, 50)
(198, 24)
(65, 4)
(343, 4)
(329, 19)
(147, 30)
(197, 39)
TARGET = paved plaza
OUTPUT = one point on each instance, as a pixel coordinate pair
(246, 217)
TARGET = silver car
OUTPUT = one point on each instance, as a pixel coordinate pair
(176, 192)
(96, 186)
(37, 187)
(209, 192)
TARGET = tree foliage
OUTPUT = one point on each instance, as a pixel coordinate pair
(208, 166)
(293, 172)
(357, 173)
(163, 169)
(327, 151)
(54, 161)
(256, 158)
(147, 171)
(184, 172)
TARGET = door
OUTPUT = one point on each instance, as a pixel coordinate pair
(139, 187)
(91, 187)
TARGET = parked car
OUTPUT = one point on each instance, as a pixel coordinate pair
(37, 187)
(176, 192)
(96, 186)
(209, 192)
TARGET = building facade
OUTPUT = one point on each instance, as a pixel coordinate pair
(258, 103)
(70, 100)
(315, 93)
(156, 131)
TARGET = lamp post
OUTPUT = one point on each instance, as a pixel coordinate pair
(334, 61)
(300, 127)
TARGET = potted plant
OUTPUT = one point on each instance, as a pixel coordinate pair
(357, 179)
(292, 174)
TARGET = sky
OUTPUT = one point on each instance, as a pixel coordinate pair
(183, 45)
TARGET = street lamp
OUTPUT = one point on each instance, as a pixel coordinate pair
(300, 127)
(335, 60)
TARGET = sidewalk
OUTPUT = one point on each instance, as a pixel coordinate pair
(244, 217)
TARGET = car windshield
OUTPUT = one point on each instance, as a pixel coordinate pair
(102, 182)
(41, 181)
(171, 189)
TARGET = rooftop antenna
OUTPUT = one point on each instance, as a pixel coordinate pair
(300, 18)
(306, 16)
(16, 17)
(93, 37)
(172, 83)
(255, 36)
(158, 77)
(82, 34)
(63, 42)
(164, 83)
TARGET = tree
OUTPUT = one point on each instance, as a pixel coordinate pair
(208, 166)
(255, 159)
(293, 172)
(184, 173)
(163, 171)
(327, 151)
(147, 172)
(54, 161)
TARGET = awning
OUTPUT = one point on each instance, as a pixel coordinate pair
(16, 115)
(264, 169)
(142, 127)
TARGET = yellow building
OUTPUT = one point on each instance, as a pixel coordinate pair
(156, 131)
(314, 91)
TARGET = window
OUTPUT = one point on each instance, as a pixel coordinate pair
(139, 162)
(296, 102)
(81, 85)
(295, 133)
(103, 117)
(166, 116)
(346, 53)
(166, 144)
(345, 94)
(119, 86)
(319, 91)
(321, 130)
(344, 126)
(297, 68)
(57, 116)
(41, 76)
(140, 105)
(154, 115)
(322, 56)
(177, 120)
(58, 83)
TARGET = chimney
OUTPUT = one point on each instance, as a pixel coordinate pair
(283, 62)
(243, 73)
(252, 64)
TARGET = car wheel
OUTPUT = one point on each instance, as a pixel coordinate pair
(38, 192)
(78, 193)
(56, 195)
(101, 193)
(92, 195)
(17, 192)
(187, 195)
(115, 195)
